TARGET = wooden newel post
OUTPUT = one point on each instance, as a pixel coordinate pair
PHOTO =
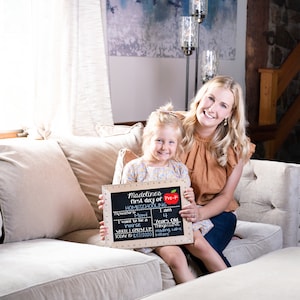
(268, 96)
(268, 103)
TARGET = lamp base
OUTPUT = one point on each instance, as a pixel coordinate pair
(188, 50)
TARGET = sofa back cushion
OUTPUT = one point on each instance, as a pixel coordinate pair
(124, 156)
(1, 226)
(39, 194)
(269, 192)
(93, 159)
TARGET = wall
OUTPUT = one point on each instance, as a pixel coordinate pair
(139, 85)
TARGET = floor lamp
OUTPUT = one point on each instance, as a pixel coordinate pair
(190, 38)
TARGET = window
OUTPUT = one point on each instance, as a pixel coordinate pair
(53, 66)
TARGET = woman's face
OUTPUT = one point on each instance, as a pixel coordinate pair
(215, 106)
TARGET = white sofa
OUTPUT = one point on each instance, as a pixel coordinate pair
(51, 248)
(273, 276)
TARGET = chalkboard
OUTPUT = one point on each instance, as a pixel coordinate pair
(146, 214)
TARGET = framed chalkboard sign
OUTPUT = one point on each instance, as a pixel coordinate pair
(146, 214)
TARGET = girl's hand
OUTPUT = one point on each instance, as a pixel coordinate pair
(103, 230)
(100, 202)
(190, 212)
(189, 195)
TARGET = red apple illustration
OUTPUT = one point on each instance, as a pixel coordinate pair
(171, 198)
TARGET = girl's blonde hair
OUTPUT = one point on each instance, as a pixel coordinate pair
(164, 116)
(231, 135)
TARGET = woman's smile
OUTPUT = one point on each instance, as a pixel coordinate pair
(208, 114)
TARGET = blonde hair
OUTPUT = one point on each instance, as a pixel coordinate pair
(231, 135)
(164, 116)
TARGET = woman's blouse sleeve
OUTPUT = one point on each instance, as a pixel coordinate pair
(232, 158)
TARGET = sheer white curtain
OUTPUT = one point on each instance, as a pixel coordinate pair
(54, 76)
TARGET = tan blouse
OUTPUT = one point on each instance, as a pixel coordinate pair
(207, 176)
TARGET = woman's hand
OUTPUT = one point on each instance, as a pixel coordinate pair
(190, 212)
(103, 230)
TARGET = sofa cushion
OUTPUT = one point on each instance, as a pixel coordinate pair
(273, 276)
(54, 269)
(92, 236)
(39, 194)
(1, 225)
(124, 156)
(93, 159)
(109, 130)
(277, 202)
(253, 240)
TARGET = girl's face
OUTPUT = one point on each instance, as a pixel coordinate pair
(163, 145)
(215, 106)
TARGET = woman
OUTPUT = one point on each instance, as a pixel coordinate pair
(216, 150)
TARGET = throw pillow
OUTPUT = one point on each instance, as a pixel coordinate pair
(93, 159)
(109, 130)
(1, 226)
(124, 156)
(39, 194)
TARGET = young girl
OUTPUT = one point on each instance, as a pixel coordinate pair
(162, 148)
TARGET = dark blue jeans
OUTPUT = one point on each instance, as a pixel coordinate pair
(220, 235)
(222, 232)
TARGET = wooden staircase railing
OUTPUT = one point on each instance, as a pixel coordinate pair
(273, 82)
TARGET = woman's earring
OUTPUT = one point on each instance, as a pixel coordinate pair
(225, 122)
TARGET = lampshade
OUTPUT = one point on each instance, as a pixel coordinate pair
(199, 8)
(189, 34)
(209, 65)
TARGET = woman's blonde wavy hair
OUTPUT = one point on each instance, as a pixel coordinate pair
(164, 116)
(231, 135)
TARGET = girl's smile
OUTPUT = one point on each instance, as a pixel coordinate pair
(163, 146)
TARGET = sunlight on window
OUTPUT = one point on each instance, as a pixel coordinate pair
(16, 92)
(53, 66)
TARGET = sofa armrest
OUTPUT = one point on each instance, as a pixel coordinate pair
(269, 192)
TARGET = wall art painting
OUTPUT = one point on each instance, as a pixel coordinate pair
(151, 28)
